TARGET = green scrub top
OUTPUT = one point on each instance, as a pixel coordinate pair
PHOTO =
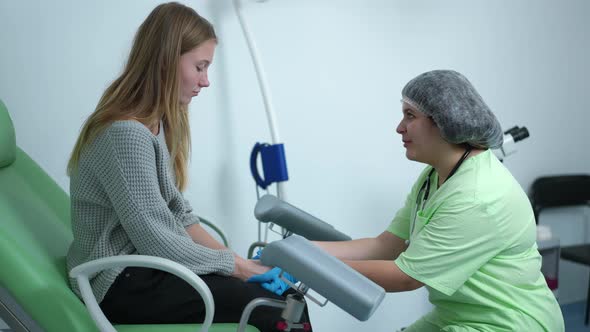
(474, 247)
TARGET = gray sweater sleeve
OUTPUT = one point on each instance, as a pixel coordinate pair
(128, 171)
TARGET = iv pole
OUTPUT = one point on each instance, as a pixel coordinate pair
(260, 74)
(270, 113)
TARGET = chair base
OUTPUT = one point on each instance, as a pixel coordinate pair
(12, 313)
(216, 327)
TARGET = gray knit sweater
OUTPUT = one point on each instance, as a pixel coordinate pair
(124, 201)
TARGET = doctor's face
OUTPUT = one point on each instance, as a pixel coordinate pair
(420, 135)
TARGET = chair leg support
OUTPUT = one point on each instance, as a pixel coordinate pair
(255, 303)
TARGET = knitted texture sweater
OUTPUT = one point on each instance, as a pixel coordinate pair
(124, 201)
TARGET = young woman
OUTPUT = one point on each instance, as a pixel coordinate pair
(467, 230)
(127, 173)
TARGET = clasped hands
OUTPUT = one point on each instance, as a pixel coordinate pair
(271, 280)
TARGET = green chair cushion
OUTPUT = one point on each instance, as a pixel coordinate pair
(7, 138)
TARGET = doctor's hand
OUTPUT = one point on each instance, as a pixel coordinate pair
(272, 282)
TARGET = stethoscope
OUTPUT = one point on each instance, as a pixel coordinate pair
(424, 191)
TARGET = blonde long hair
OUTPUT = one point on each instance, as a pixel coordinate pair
(148, 89)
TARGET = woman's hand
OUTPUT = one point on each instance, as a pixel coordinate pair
(246, 268)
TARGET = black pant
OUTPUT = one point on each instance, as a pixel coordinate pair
(148, 296)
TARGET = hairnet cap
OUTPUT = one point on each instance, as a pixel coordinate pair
(456, 107)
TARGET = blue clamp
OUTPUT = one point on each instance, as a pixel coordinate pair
(274, 164)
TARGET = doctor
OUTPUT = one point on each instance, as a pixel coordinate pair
(467, 230)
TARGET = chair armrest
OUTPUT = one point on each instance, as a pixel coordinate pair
(82, 272)
(216, 229)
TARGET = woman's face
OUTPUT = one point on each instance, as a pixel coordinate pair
(193, 68)
(420, 135)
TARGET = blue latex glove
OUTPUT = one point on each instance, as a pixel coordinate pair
(271, 281)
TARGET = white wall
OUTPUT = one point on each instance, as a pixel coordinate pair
(335, 68)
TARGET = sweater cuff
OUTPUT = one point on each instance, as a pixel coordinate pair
(227, 262)
(190, 219)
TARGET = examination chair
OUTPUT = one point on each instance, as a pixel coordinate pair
(564, 190)
(35, 235)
